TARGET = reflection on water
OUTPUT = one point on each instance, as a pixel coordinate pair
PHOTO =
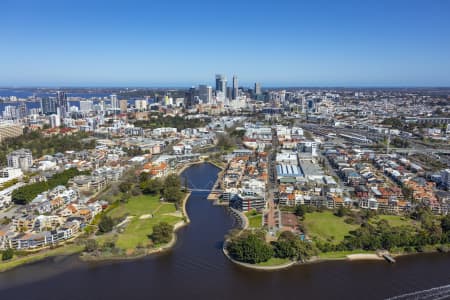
(196, 269)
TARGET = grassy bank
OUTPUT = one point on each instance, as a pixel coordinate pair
(22, 260)
(326, 226)
(274, 261)
(143, 212)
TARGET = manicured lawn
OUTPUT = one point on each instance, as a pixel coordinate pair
(396, 221)
(274, 261)
(136, 206)
(136, 233)
(167, 208)
(255, 221)
(327, 227)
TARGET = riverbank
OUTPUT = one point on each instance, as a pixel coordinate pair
(146, 252)
(65, 250)
(260, 267)
(73, 248)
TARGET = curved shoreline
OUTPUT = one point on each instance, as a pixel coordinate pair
(256, 267)
(151, 251)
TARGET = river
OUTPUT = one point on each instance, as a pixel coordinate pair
(197, 269)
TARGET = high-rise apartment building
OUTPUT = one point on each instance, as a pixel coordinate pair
(86, 105)
(48, 105)
(61, 102)
(205, 93)
(114, 103)
(141, 105)
(221, 83)
(235, 91)
(257, 89)
(123, 106)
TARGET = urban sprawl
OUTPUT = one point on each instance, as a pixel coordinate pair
(379, 150)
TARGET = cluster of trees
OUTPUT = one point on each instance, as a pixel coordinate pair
(27, 193)
(162, 233)
(394, 122)
(290, 246)
(380, 235)
(106, 224)
(133, 151)
(251, 247)
(169, 188)
(399, 142)
(42, 145)
(225, 142)
(7, 254)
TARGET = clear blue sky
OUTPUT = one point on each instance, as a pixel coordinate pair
(183, 43)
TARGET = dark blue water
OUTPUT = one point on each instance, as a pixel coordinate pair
(19, 93)
(197, 269)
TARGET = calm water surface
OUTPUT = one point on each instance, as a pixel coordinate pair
(197, 269)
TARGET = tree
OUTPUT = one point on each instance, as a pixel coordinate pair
(250, 249)
(445, 224)
(300, 211)
(173, 194)
(172, 188)
(135, 191)
(172, 180)
(124, 197)
(152, 186)
(106, 224)
(125, 187)
(285, 249)
(28, 192)
(7, 254)
(91, 245)
(162, 233)
(341, 212)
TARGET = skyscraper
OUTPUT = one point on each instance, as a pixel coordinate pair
(86, 105)
(61, 102)
(235, 92)
(257, 89)
(123, 106)
(221, 83)
(205, 93)
(190, 97)
(48, 105)
(114, 103)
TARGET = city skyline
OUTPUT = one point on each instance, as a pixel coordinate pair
(289, 43)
